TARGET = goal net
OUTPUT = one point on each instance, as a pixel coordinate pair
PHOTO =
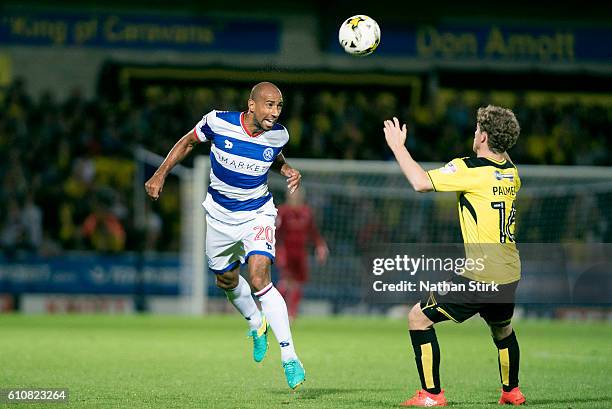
(358, 204)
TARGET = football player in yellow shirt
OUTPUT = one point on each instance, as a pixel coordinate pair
(486, 186)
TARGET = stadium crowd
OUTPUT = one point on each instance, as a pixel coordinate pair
(67, 168)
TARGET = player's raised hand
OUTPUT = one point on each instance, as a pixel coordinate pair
(155, 185)
(293, 177)
(394, 134)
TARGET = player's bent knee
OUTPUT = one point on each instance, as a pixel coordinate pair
(417, 320)
(226, 282)
(222, 284)
(500, 333)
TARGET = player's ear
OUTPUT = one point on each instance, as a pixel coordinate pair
(484, 137)
(251, 105)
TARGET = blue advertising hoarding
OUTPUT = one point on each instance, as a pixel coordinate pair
(464, 42)
(139, 31)
(88, 273)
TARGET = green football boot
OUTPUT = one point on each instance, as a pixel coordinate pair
(260, 340)
(294, 372)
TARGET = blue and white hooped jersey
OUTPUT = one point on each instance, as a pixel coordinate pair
(239, 166)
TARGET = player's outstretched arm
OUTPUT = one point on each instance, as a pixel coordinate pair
(293, 176)
(396, 138)
(179, 151)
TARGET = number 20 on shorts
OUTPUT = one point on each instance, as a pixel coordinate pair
(264, 233)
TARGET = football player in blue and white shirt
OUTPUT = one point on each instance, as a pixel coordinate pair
(240, 212)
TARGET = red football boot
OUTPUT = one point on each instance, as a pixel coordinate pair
(514, 397)
(423, 398)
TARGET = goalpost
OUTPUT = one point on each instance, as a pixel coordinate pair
(193, 183)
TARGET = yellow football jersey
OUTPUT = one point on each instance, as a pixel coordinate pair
(486, 192)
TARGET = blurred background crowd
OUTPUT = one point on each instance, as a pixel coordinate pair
(67, 165)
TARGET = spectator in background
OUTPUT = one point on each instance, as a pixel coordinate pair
(22, 227)
(13, 231)
(31, 217)
(102, 230)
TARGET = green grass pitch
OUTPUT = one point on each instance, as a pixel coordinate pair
(177, 362)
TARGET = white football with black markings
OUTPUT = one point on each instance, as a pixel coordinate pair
(359, 35)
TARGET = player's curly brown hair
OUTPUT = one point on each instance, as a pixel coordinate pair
(501, 126)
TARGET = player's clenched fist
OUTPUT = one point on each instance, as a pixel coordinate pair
(154, 186)
(293, 177)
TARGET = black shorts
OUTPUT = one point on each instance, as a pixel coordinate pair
(495, 307)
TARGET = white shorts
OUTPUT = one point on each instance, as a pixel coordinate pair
(229, 245)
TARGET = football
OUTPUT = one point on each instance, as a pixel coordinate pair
(359, 35)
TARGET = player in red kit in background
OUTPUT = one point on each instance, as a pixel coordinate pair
(295, 229)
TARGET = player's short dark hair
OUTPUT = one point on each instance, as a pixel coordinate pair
(501, 126)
